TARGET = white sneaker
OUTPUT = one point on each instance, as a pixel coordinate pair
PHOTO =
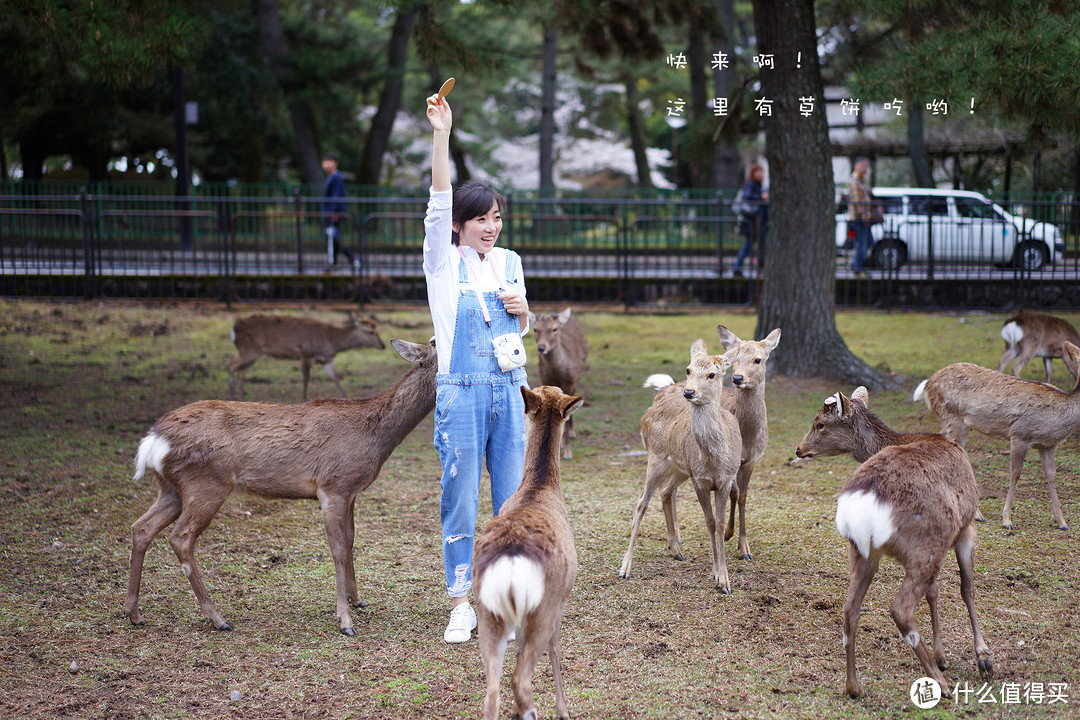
(462, 622)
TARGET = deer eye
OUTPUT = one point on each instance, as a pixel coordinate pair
(820, 426)
(712, 375)
(757, 361)
(688, 371)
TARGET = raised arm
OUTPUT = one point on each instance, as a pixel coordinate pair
(441, 119)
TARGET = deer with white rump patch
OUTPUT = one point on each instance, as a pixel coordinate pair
(526, 562)
(691, 435)
(1032, 334)
(913, 498)
(329, 450)
(1026, 413)
(563, 349)
(303, 339)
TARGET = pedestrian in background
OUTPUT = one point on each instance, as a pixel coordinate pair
(333, 210)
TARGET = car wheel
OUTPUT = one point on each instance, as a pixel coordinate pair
(889, 254)
(1030, 255)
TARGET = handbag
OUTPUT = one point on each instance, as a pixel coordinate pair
(741, 206)
(877, 211)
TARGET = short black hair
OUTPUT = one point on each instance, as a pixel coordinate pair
(331, 156)
(471, 200)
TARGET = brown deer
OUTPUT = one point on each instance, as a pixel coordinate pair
(913, 498)
(563, 349)
(691, 435)
(1032, 334)
(526, 562)
(1026, 413)
(329, 450)
(303, 339)
(747, 402)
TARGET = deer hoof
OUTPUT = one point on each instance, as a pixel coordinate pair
(1007, 526)
(223, 627)
(746, 556)
(724, 589)
(348, 631)
(1064, 527)
(356, 603)
(679, 556)
(986, 667)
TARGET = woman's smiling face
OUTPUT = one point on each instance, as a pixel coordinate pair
(481, 233)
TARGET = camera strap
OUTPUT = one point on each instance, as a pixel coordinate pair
(476, 282)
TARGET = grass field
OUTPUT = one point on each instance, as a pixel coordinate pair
(83, 382)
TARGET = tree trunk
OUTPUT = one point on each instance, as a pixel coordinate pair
(637, 131)
(916, 140)
(272, 44)
(547, 109)
(798, 294)
(382, 125)
(725, 165)
(700, 163)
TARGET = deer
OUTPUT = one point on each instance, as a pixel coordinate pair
(746, 400)
(1032, 334)
(526, 562)
(913, 498)
(563, 349)
(1025, 413)
(691, 435)
(303, 339)
(328, 450)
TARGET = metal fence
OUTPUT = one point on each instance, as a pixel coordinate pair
(633, 248)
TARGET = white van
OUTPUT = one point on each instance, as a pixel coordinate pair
(960, 226)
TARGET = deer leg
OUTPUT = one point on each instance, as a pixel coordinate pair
(1023, 357)
(351, 591)
(1017, 452)
(1049, 469)
(1006, 358)
(654, 472)
(492, 641)
(719, 568)
(917, 580)
(305, 371)
(237, 368)
(556, 670)
(743, 480)
(528, 654)
(570, 433)
(162, 513)
(671, 519)
(862, 572)
(328, 368)
(1049, 370)
(194, 518)
(334, 510)
(931, 601)
(965, 558)
(567, 453)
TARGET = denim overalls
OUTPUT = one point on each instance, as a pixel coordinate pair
(478, 410)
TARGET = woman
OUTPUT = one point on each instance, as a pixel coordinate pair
(476, 293)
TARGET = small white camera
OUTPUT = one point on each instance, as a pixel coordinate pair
(509, 351)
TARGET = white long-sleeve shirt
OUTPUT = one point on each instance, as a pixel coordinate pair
(441, 269)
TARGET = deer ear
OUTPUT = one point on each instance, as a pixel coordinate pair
(698, 348)
(1072, 351)
(564, 316)
(834, 403)
(862, 395)
(727, 338)
(772, 340)
(410, 351)
(569, 405)
(532, 400)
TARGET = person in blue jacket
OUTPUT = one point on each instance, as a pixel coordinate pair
(333, 210)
